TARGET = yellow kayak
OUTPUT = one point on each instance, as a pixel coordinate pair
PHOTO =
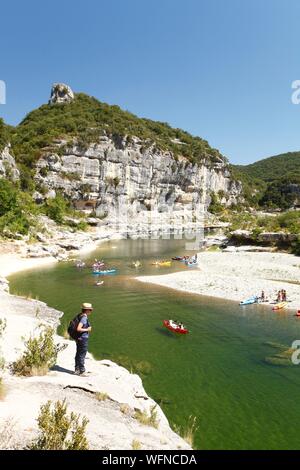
(162, 263)
(280, 305)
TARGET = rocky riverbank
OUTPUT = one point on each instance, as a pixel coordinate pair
(112, 422)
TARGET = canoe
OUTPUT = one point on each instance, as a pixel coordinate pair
(251, 300)
(177, 329)
(106, 271)
(279, 305)
(162, 263)
(179, 258)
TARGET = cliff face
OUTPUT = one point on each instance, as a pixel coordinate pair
(8, 167)
(120, 179)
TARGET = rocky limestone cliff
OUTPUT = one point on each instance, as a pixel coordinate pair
(8, 167)
(129, 181)
(61, 93)
(124, 169)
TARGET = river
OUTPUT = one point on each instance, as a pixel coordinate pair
(217, 373)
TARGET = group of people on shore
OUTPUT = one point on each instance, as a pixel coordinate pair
(281, 296)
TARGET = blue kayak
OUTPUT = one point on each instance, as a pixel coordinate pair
(106, 271)
(251, 300)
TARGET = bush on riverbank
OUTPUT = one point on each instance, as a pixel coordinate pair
(56, 208)
(288, 222)
(58, 430)
(39, 356)
(18, 211)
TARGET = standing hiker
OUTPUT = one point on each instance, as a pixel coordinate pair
(83, 330)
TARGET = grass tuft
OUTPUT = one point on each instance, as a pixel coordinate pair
(136, 445)
(147, 420)
(188, 433)
(101, 396)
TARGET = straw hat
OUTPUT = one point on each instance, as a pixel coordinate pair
(87, 306)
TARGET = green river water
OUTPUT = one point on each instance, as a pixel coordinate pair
(217, 373)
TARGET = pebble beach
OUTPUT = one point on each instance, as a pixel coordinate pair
(237, 276)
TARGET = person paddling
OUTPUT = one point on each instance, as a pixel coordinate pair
(83, 330)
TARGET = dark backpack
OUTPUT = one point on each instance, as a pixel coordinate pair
(72, 328)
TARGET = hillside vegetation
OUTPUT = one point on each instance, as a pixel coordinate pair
(272, 168)
(270, 183)
(87, 119)
(273, 182)
(4, 134)
(84, 120)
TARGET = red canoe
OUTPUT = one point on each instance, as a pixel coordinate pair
(177, 329)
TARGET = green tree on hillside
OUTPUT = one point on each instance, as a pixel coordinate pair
(8, 197)
(4, 134)
(56, 208)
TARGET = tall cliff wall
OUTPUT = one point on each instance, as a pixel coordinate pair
(119, 179)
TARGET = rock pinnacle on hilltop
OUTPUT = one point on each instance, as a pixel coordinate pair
(61, 93)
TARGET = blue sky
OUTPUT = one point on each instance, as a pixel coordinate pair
(221, 69)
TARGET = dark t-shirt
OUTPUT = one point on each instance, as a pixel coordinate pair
(85, 324)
